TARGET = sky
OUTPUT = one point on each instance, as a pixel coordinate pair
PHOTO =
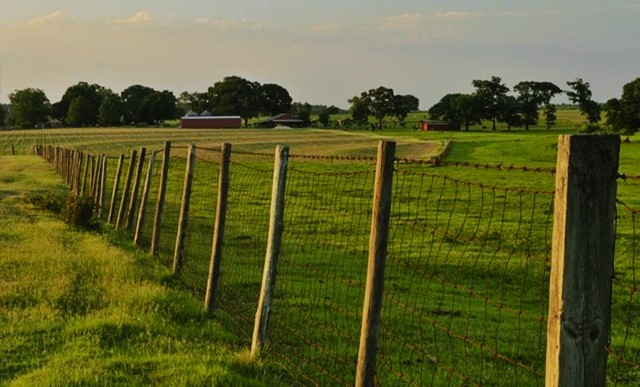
(321, 51)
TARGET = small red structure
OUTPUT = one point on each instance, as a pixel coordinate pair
(194, 121)
(439, 125)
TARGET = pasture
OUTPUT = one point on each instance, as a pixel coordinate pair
(467, 280)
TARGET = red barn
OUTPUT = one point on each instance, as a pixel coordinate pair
(439, 125)
(195, 121)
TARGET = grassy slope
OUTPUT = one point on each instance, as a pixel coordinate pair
(74, 309)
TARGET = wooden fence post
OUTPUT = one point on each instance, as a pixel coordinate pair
(178, 255)
(114, 191)
(582, 260)
(144, 199)
(162, 191)
(218, 230)
(103, 186)
(84, 175)
(125, 191)
(378, 240)
(131, 211)
(276, 226)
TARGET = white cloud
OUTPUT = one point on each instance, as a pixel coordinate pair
(53, 17)
(456, 15)
(141, 17)
(405, 19)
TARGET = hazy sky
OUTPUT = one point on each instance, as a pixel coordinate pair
(322, 51)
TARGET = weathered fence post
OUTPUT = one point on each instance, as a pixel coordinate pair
(178, 255)
(276, 226)
(218, 230)
(103, 186)
(582, 260)
(125, 191)
(378, 240)
(134, 190)
(162, 191)
(144, 199)
(114, 191)
(84, 175)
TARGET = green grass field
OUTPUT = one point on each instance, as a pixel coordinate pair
(76, 310)
(466, 284)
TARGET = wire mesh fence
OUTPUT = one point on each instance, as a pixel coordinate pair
(315, 326)
(245, 241)
(466, 286)
(624, 350)
(466, 290)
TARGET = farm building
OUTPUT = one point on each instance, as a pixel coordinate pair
(285, 119)
(439, 125)
(193, 120)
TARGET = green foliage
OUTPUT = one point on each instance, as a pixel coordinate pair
(79, 212)
(46, 200)
(463, 109)
(624, 114)
(275, 99)
(29, 107)
(132, 98)
(81, 112)
(588, 127)
(492, 95)
(236, 96)
(92, 94)
(580, 93)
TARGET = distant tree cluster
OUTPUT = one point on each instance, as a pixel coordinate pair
(85, 105)
(623, 114)
(492, 101)
(237, 96)
(380, 103)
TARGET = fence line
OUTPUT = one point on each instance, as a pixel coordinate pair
(466, 288)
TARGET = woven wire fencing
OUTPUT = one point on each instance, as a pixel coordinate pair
(467, 277)
(245, 241)
(624, 350)
(466, 285)
(315, 326)
(201, 220)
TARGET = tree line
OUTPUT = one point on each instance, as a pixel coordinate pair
(85, 104)
(491, 101)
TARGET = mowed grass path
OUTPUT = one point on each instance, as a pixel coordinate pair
(76, 310)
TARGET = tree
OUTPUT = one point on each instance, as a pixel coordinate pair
(463, 109)
(158, 106)
(29, 107)
(624, 114)
(197, 102)
(111, 110)
(132, 98)
(324, 117)
(3, 115)
(93, 95)
(359, 111)
(403, 105)
(81, 112)
(275, 99)
(493, 94)
(547, 91)
(302, 111)
(510, 112)
(580, 93)
(529, 100)
(236, 96)
(380, 103)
